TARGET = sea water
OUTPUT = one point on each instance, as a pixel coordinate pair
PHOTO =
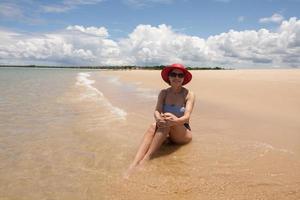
(64, 132)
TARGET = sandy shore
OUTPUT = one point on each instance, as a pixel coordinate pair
(72, 134)
(250, 96)
(246, 144)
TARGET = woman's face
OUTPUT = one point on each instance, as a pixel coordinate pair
(176, 77)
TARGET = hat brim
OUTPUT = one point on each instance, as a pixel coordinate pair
(165, 74)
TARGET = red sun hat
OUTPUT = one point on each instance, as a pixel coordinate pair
(166, 70)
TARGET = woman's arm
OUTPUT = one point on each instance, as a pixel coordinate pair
(172, 119)
(159, 105)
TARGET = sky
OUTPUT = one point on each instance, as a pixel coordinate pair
(203, 33)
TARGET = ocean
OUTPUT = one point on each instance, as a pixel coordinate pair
(64, 132)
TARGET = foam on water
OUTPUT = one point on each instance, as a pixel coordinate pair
(114, 80)
(94, 94)
(148, 93)
(265, 148)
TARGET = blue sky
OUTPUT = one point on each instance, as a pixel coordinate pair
(124, 21)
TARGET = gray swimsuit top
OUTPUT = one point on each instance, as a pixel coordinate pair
(178, 111)
(174, 109)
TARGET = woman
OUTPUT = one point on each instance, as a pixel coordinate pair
(172, 113)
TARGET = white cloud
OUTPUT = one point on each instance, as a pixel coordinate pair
(261, 47)
(101, 32)
(24, 11)
(67, 5)
(56, 8)
(275, 18)
(10, 10)
(81, 2)
(143, 3)
(67, 47)
(150, 45)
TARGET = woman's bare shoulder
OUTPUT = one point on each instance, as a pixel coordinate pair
(189, 93)
(164, 90)
(163, 93)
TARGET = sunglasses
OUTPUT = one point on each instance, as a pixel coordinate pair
(173, 74)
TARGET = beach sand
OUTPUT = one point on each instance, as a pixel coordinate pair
(246, 139)
(71, 134)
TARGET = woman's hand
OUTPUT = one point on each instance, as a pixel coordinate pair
(166, 120)
(161, 123)
(170, 119)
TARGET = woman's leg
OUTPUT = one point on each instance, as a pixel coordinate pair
(180, 134)
(152, 140)
(145, 144)
(143, 148)
(159, 137)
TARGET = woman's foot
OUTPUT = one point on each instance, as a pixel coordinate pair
(129, 171)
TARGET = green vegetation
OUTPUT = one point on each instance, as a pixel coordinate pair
(113, 67)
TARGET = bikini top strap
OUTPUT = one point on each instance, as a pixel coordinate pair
(165, 96)
(185, 93)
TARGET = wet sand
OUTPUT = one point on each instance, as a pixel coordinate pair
(246, 143)
(72, 134)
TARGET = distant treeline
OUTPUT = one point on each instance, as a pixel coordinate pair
(113, 67)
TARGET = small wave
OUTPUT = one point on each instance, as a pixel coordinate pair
(265, 147)
(82, 79)
(147, 93)
(114, 80)
(93, 93)
(134, 87)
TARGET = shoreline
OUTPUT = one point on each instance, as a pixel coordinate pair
(147, 68)
(243, 122)
(245, 99)
(111, 67)
(245, 136)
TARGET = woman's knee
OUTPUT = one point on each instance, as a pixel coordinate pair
(151, 130)
(188, 138)
(163, 130)
(153, 126)
(182, 139)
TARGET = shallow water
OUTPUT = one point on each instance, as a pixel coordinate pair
(71, 134)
